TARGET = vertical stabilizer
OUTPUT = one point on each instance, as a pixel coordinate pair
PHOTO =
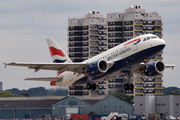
(57, 54)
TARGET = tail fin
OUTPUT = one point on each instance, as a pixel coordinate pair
(57, 54)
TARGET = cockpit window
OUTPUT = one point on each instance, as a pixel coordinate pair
(153, 37)
(148, 38)
(144, 39)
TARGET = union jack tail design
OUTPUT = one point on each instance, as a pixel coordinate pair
(57, 54)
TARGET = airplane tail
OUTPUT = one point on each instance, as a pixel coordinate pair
(57, 54)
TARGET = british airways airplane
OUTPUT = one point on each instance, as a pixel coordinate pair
(126, 58)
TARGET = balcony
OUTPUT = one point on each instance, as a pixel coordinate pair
(139, 93)
(159, 93)
(159, 87)
(149, 86)
(158, 30)
(138, 81)
(138, 23)
(138, 29)
(158, 58)
(159, 76)
(158, 81)
(93, 43)
(93, 28)
(138, 87)
(93, 38)
(94, 50)
(158, 24)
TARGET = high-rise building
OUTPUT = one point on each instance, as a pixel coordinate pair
(132, 23)
(87, 37)
(94, 34)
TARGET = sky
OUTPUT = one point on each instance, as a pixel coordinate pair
(25, 26)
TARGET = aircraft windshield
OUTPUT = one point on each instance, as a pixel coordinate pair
(153, 37)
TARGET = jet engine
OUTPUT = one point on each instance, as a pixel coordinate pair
(97, 68)
(154, 68)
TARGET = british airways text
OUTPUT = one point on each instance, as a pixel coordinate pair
(120, 52)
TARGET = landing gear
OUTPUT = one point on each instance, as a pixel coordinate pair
(93, 86)
(90, 86)
(128, 86)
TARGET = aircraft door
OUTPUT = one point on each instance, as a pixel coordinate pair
(70, 76)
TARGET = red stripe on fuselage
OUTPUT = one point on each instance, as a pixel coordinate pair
(60, 73)
(53, 83)
(55, 51)
(132, 41)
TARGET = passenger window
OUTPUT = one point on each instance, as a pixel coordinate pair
(148, 38)
(144, 39)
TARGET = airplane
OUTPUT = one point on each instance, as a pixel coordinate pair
(127, 58)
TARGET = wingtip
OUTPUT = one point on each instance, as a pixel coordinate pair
(5, 64)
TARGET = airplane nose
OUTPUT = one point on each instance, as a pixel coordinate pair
(163, 42)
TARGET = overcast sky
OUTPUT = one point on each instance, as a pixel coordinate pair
(26, 24)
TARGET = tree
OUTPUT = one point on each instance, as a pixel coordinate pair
(7, 94)
(26, 94)
(123, 97)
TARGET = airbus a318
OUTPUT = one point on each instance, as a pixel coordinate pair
(126, 58)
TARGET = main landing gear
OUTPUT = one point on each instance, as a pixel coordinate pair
(90, 86)
(128, 86)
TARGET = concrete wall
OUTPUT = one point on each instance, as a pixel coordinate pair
(163, 105)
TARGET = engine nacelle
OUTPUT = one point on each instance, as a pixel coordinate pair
(97, 68)
(154, 69)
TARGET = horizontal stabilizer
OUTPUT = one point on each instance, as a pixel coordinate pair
(170, 66)
(44, 79)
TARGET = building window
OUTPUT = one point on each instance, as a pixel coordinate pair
(140, 104)
(177, 104)
(163, 104)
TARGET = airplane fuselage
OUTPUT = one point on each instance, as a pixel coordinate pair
(125, 57)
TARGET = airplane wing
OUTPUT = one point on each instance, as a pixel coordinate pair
(44, 79)
(170, 66)
(142, 65)
(74, 67)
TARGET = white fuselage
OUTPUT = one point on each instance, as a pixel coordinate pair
(120, 52)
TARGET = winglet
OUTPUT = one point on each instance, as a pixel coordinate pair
(5, 64)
